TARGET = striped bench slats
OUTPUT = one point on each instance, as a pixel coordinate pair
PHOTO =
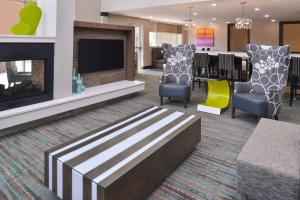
(94, 166)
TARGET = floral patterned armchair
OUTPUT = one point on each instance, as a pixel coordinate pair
(263, 94)
(177, 76)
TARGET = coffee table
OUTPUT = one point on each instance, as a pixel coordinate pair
(124, 160)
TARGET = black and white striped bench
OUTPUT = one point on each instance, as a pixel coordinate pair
(124, 160)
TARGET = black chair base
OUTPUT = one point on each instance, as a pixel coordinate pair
(185, 103)
(233, 114)
(294, 87)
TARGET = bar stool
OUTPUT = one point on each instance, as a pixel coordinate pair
(226, 66)
(200, 67)
(294, 78)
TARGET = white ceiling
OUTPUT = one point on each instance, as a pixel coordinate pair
(225, 11)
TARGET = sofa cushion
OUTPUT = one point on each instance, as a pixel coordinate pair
(256, 104)
(268, 167)
(174, 90)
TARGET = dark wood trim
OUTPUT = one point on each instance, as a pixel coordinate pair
(229, 33)
(281, 29)
(147, 67)
(89, 30)
(80, 24)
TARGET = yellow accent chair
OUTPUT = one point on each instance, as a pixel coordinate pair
(30, 17)
(218, 97)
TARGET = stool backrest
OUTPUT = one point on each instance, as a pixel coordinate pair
(201, 60)
(295, 66)
(226, 62)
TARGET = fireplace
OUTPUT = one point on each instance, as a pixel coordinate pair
(26, 74)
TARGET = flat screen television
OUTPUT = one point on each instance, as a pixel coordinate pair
(98, 55)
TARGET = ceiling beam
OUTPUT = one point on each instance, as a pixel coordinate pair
(117, 5)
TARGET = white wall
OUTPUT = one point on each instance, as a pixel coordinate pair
(115, 5)
(263, 32)
(9, 15)
(220, 35)
(88, 10)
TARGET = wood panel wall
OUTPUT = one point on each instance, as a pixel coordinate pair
(289, 35)
(88, 30)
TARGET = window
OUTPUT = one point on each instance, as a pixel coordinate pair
(158, 38)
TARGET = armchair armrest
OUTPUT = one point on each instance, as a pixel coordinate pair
(163, 79)
(242, 87)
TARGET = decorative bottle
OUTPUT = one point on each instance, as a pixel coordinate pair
(82, 85)
(78, 85)
(74, 78)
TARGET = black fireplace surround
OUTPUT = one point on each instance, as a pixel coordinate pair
(42, 52)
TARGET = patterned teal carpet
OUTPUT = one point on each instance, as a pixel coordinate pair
(208, 173)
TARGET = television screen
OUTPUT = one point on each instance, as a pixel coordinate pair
(97, 55)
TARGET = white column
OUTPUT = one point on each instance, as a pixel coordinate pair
(47, 26)
(63, 60)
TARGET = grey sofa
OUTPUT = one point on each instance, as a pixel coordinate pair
(268, 168)
(262, 95)
(157, 58)
(177, 76)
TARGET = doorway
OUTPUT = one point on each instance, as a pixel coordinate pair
(139, 47)
(238, 38)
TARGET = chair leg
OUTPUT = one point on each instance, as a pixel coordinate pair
(276, 117)
(185, 103)
(199, 83)
(193, 85)
(233, 112)
(244, 197)
(161, 100)
(291, 96)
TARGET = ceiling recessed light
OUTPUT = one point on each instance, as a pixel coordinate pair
(273, 20)
(257, 9)
(195, 13)
(214, 18)
(213, 4)
(266, 16)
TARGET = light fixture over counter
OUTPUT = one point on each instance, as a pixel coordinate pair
(190, 23)
(243, 22)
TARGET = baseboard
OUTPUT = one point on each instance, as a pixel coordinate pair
(148, 67)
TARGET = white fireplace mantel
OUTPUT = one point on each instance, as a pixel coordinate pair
(90, 96)
(25, 39)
